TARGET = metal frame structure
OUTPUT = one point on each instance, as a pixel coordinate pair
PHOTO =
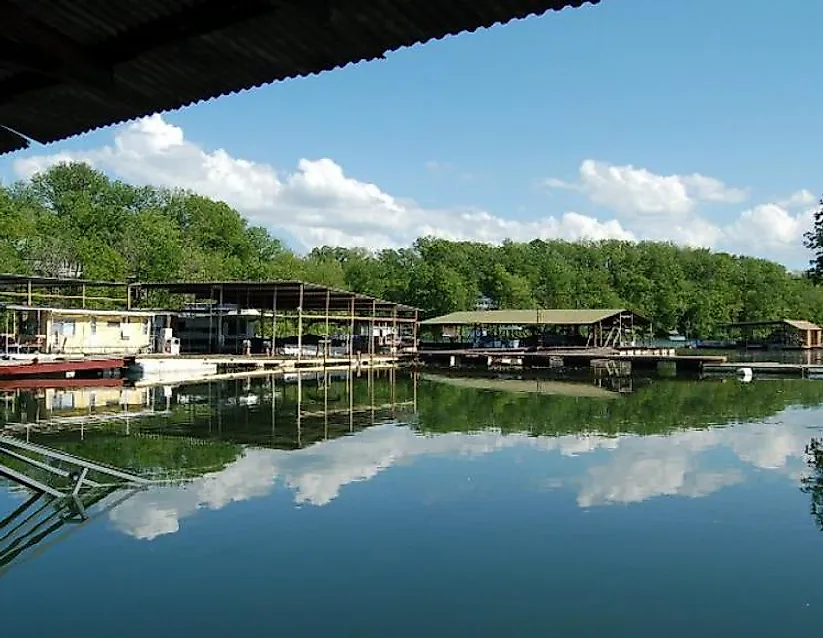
(42, 516)
(300, 301)
(61, 494)
(291, 299)
(50, 461)
(57, 508)
(315, 397)
(31, 290)
(312, 404)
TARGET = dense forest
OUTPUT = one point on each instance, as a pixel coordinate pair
(73, 219)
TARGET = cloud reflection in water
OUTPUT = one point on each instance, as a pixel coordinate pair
(630, 468)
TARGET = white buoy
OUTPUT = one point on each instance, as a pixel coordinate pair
(745, 374)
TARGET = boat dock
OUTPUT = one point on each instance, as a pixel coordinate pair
(222, 327)
(159, 364)
(765, 369)
(634, 359)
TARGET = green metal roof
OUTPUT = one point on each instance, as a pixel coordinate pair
(536, 317)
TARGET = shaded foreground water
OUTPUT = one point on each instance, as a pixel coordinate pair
(430, 506)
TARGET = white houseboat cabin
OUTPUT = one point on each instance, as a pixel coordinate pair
(76, 331)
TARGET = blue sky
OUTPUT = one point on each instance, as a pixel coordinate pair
(468, 129)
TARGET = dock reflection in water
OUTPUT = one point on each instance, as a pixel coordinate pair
(448, 468)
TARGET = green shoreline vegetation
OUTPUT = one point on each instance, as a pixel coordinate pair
(72, 215)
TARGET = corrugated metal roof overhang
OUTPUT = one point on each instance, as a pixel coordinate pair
(68, 67)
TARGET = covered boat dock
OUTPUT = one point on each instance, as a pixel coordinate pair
(296, 305)
(781, 334)
(539, 327)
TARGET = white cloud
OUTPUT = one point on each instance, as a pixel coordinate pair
(317, 474)
(799, 199)
(317, 203)
(631, 190)
(771, 227)
(646, 467)
(668, 207)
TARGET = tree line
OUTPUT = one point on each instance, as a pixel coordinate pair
(72, 218)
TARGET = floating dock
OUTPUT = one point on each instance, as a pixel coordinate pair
(180, 368)
(765, 369)
(633, 359)
(35, 373)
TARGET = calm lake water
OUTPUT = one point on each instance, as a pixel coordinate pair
(427, 506)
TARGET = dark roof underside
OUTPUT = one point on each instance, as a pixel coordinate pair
(261, 296)
(67, 67)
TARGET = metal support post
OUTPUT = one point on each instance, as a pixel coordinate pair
(371, 336)
(300, 325)
(351, 335)
(327, 345)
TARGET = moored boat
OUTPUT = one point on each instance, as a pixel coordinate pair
(57, 368)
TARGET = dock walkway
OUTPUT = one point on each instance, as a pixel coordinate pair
(160, 364)
(766, 368)
(637, 358)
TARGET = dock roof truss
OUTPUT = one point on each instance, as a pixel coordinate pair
(33, 289)
(283, 297)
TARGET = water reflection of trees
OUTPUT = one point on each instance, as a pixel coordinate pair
(202, 428)
(195, 429)
(812, 484)
(658, 407)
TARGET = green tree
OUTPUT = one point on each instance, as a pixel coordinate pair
(813, 240)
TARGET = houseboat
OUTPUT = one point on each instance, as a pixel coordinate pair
(71, 342)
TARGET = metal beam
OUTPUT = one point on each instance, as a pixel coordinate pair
(44, 466)
(30, 482)
(46, 503)
(12, 140)
(347, 317)
(327, 345)
(351, 332)
(21, 508)
(103, 469)
(300, 326)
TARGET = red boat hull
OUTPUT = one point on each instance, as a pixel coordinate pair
(60, 368)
